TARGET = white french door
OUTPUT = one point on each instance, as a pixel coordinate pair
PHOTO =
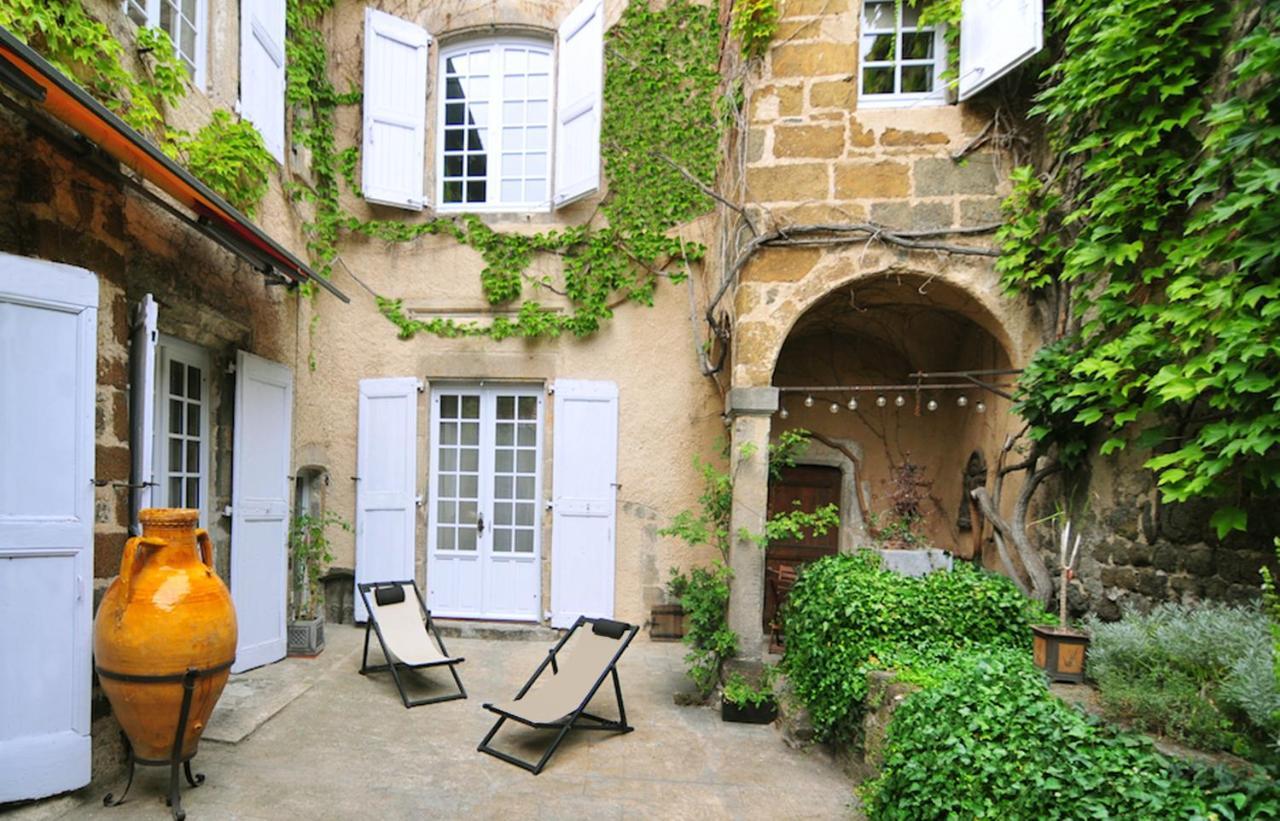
(485, 520)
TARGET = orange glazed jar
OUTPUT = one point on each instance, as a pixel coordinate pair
(166, 615)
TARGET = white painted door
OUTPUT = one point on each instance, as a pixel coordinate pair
(261, 454)
(485, 521)
(48, 346)
(142, 407)
(386, 481)
(585, 469)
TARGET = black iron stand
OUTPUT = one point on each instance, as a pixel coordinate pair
(174, 801)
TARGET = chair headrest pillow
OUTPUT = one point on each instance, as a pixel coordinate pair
(391, 594)
(609, 628)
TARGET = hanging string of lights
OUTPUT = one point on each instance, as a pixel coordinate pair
(972, 381)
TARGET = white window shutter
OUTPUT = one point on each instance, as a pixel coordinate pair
(579, 93)
(262, 32)
(386, 478)
(584, 492)
(395, 99)
(142, 407)
(995, 37)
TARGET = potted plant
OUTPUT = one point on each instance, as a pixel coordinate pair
(747, 704)
(309, 554)
(1059, 651)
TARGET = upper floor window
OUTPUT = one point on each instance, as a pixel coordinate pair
(494, 129)
(902, 61)
(183, 21)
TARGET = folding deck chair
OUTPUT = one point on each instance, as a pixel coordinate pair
(580, 662)
(406, 633)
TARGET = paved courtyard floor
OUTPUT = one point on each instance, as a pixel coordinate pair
(317, 741)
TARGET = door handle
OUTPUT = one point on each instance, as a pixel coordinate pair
(480, 523)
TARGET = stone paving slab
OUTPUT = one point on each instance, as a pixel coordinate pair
(344, 747)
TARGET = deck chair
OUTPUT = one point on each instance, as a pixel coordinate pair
(408, 637)
(580, 662)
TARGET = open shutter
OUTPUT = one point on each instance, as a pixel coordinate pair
(584, 490)
(395, 99)
(995, 37)
(48, 365)
(262, 70)
(261, 455)
(386, 475)
(579, 90)
(142, 407)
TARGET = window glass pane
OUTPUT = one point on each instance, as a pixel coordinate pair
(539, 62)
(175, 456)
(193, 457)
(453, 140)
(475, 139)
(502, 513)
(524, 541)
(524, 487)
(524, 514)
(506, 407)
(475, 191)
(137, 12)
(528, 407)
(470, 459)
(512, 113)
(193, 492)
(455, 64)
(512, 191)
(516, 62)
(536, 138)
(453, 165)
(877, 81)
(502, 541)
(166, 17)
(513, 88)
(470, 433)
(466, 513)
(471, 407)
(454, 113)
(877, 47)
(504, 433)
(877, 16)
(188, 40)
(480, 62)
(468, 486)
(502, 487)
(189, 9)
(449, 407)
(193, 383)
(444, 538)
(467, 538)
(917, 79)
(503, 460)
(917, 46)
(448, 433)
(525, 462)
(910, 16)
(535, 190)
(535, 165)
(175, 493)
(193, 419)
(453, 192)
(513, 138)
(177, 378)
(445, 512)
(512, 165)
(477, 165)
(528, 434)
(537, 112)
(175, 416)
(448, 486)
(448, 459)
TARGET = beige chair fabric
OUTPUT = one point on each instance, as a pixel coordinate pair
(404, 633)
(581, 662)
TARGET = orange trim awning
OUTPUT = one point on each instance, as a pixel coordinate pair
(35, 78)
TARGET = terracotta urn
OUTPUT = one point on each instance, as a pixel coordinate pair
(166, 615)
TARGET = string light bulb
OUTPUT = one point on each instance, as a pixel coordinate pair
(981, 407)
(899, 400)
(853, 403)
(962, 401)
(932, 404)
(881, 401)
(835, 408)
(808, 401)
(783, 414)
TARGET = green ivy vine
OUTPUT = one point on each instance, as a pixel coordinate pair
(1153, 228)
(227, 154)
(659, 122)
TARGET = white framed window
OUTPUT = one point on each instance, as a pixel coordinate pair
(184, 22)
(181, 452)
(901, 62)
(494, 126)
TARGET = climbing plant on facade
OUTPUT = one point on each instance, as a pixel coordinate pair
(1153, 226)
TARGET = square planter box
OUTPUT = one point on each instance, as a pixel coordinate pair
(666, 622)
(1060, 653)
(748, 713)
(306, 638)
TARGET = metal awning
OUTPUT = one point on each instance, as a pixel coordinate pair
(28, 74)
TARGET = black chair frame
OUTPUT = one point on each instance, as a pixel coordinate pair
(574, 720)
(371, 625)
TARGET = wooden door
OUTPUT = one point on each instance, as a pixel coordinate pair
(807, 487)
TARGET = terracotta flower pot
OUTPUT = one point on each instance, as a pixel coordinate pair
(166, 614)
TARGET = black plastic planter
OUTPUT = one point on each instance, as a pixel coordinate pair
(763, 713)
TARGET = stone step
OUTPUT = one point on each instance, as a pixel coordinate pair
(496, 630)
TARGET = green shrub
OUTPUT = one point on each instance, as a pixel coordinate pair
(1202, 676)
(846, 616)
(989, 741)
(704, 595)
